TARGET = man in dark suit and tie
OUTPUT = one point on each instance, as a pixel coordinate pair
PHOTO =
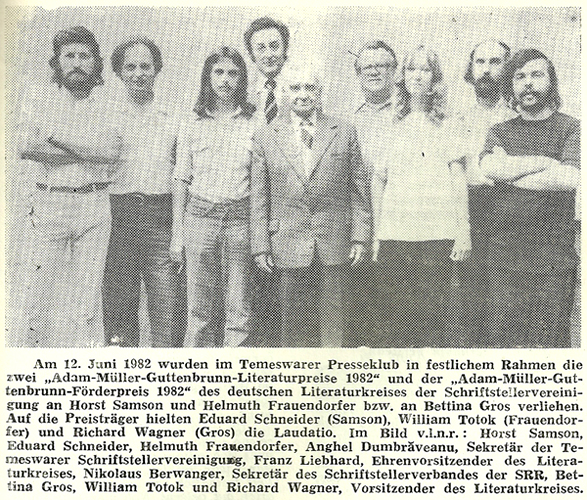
(267, 41)
(311, 212)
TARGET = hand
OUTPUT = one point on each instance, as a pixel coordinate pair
(176, 249)
(265, 262)
(357, 253)
(375, 248)
(499, 151)
(461, 249)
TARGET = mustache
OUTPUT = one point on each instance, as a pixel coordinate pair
(533, 93)
(77, 72)
(487, 79)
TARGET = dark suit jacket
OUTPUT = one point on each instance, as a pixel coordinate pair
(293, 214)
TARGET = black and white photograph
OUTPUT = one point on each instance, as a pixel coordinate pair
(326, 177)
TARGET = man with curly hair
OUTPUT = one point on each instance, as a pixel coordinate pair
(65, 132)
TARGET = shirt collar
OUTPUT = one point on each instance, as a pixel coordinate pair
(238, 112)
(66, 95)
(375, 107)
(157, 105)
(262, 80)
(500, 106)
(299, 122)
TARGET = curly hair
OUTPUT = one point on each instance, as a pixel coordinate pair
(117, 58)
(436, 109)
(77, 34)
(207, 97)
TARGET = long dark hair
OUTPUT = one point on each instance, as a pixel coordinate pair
(77, 34)
(207, 97)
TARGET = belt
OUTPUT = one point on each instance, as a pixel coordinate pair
(142, 198)
(86, 188)
(205, 208)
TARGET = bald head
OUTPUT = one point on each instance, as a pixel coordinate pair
(303, 87)
(486, 66)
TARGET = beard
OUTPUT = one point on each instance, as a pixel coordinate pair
(84, 81)
(541, 100)
(487, 88)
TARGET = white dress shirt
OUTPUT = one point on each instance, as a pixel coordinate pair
(259, 96)
(309, 124)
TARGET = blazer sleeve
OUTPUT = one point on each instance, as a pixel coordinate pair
(260, 199)
(360, 192)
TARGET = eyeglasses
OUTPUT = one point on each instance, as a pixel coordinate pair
(380, 68)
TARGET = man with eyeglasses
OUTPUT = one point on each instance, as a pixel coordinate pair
(375, 67)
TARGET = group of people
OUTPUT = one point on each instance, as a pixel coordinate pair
(257, 219)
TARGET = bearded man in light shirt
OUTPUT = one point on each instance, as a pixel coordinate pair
(74, 149)
(484, 73)
(140, 198)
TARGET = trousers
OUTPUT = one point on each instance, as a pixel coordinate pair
(218, 264)
(530, 309)
(70, 239)
(474, 274)
(139, 252)
(413, 286)
(312, 305)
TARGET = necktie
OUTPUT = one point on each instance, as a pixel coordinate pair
(270, 103)
(307, 138)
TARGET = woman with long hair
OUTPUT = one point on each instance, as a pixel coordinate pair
(211, 204)
(420, 210)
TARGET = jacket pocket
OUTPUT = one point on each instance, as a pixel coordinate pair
(273, 226)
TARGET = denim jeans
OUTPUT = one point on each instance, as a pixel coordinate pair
(139, 251)
(218, 264)
(70, 240)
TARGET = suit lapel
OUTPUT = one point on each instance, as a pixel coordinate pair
(326, 131)
(286, 141)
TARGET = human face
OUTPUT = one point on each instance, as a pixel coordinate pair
(224, 79)
(488, 64)
(304, 95)
(138, 70)
(376, 70)
(418, 75)
(532, 85)
(268, 51)
(77, 65)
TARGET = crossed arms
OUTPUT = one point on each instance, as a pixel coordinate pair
(72, 142)
(540, 173)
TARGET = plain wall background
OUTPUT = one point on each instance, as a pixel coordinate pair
(187, 35)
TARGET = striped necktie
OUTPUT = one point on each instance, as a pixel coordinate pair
(271, 102)
(307, 138)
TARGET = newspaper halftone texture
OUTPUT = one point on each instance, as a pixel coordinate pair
(98, 252)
